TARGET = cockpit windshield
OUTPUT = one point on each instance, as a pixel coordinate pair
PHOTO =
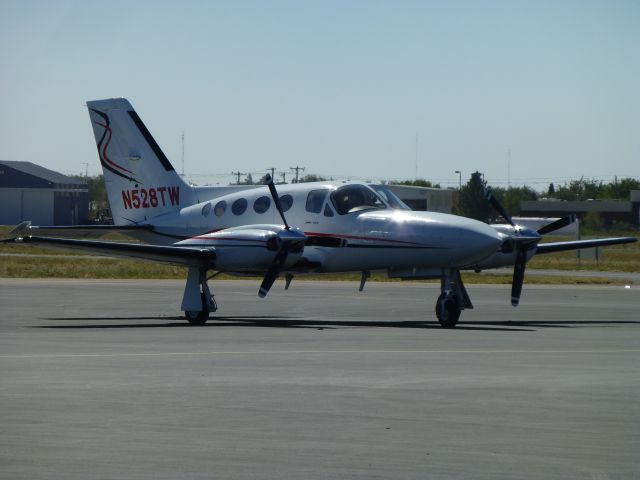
(391, 198)
(353, 198)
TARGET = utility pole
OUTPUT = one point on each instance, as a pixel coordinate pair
(459, 172)
(237, 174)
(86, 170)
(284, 177)
(297, 169)
(273, 169)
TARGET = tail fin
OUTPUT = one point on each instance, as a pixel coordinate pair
(140, 181)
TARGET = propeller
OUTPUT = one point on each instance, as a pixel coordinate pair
(288, 241)
(522, 244)
(495, 203)
(557, 225)
(522, 239)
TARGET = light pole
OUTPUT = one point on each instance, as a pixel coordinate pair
(459, 172)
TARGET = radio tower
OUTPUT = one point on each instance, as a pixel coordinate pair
(183, 154)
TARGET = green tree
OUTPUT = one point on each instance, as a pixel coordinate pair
(248, 180)
(310, 177)
(97, 193)
(472, 202)
(621, 190)
(579, 190)
(593, 221)
(512, 197)
(420, 182)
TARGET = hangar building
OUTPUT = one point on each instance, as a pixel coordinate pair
(31, 192)
(612, 211)
(425, 198)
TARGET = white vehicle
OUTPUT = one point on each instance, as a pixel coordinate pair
(299, 229)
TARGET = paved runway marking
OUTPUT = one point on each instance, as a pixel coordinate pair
(298, 352)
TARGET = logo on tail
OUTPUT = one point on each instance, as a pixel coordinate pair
(103, 144)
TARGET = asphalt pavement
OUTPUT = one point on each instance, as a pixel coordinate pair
(104, 379)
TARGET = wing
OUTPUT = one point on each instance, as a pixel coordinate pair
(578, 244)
(174, 255)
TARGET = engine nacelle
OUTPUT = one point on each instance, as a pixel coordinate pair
(250, 248)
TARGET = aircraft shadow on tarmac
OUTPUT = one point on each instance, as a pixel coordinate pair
(319, 324)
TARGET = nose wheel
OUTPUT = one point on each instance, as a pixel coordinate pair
(447, 310)
(452, 300)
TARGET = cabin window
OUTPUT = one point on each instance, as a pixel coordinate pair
(286, 201)
(239, 206)
(220, 208)
(328, 212)
(315, 200)
(206, 210)
(392, 199)
(354, 198)
(261, 204)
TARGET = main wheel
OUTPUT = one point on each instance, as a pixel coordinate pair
(447, 311)
(198, 317)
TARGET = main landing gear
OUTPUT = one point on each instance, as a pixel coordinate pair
(452, 300)
(197, 301)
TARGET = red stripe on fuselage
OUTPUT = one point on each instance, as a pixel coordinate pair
(355, 237)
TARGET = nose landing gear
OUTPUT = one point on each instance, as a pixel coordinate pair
(453, 299)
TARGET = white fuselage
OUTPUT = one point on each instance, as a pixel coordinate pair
(407, 242)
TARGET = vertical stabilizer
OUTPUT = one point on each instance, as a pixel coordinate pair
(140, 181)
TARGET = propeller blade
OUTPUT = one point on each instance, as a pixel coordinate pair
(273, 271)
(518, 275)
(495, 203)
(557, 225)
(276, 200)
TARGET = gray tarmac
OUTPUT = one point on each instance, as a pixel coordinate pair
(103, 379)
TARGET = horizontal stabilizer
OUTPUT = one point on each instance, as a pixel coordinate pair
(75, 231)
(183, 256)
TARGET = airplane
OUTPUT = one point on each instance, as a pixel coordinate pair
(295, 229)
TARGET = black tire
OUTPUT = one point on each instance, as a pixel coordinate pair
(198, 317)
(449, 313)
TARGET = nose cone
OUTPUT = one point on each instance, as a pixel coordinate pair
(459, 241)
(478, 241)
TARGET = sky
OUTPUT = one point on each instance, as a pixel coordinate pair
(526, 92)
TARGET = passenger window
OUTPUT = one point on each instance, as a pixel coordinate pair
(220, 208)
(262, 204)
(206, 210)
(239, 206)
(285, 202)
(315, 200)
(327, 211)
